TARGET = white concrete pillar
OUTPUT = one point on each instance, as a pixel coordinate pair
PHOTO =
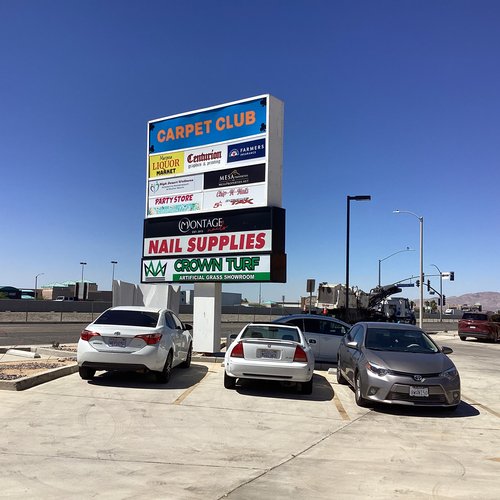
(207, 317)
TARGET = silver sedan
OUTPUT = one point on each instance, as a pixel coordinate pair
(397, 364)
(270, 352)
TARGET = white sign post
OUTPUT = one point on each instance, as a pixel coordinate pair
(211, 161)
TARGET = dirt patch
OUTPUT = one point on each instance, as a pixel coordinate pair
(13, 370)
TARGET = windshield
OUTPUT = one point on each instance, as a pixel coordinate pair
(131, 318)
(475, 316)
(271, 333)
(388, 339)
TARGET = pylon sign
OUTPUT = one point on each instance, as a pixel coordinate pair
(208, 173)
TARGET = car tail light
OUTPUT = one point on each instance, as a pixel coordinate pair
(237, 351)
(150, 338)
(88, 334)
(300, 355)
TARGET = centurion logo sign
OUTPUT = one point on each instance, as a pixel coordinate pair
(214, 189)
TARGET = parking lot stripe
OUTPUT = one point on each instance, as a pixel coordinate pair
(475, 403)
(340, 407)
(187, 392)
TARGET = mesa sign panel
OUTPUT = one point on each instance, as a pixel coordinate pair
(213, 200)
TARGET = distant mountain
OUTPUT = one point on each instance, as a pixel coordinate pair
(490, 301)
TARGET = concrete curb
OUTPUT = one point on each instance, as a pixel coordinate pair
(27, 382)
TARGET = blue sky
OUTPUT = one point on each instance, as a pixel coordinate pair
(396, 99)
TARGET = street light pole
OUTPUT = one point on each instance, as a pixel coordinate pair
(349, 198)
(83, 264)
(407, 249)
(421, 221)
(36, 284)
(113, 263)
(440, 292)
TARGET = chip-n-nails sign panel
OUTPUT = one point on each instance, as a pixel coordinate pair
(238, 143)
(227, 269)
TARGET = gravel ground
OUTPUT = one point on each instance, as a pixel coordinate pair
(13, 370)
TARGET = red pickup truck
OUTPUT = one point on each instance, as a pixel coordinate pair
(485, 326)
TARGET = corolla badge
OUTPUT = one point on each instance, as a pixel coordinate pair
(117, 333)
(418, 378)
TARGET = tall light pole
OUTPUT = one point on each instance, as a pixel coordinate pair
(421, 221)
(407, 249)
(83, 264)
(349, 199)
(113, 263)
(440, 292)
(36, 283)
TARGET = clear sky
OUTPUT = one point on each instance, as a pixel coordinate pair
(396, 99)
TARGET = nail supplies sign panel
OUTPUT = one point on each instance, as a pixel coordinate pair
(254, 230)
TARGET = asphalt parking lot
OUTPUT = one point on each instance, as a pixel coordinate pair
(124, 436)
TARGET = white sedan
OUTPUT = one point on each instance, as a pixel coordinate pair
(270, 352)
(135, 339)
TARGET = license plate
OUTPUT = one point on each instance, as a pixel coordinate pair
(117, 342)
(269, 353)
(472, 327)
(421, 392)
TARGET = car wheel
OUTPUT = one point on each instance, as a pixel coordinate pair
(340, 378)
(229, 382)
(86, 373)
(306, 387)
(164, 376)
(360, 400)
(463, 338)
(187, 362)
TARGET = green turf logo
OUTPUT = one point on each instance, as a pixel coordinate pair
(152, 271)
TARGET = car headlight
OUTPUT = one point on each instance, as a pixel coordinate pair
(379, 370)
(450, 374)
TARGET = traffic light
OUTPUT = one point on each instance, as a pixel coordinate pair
(417, 282)
(452, 275)
(444, 300)
(428, 285)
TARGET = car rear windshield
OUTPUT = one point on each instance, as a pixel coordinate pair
(475, 316)
(271, 333)
(130, 318)
(387, 339)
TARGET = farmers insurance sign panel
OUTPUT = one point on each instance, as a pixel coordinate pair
(236, 145)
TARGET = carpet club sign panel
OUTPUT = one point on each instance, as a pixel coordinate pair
(213, 195)
(213, 148)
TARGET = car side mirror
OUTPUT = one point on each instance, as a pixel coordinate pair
(188, 326)
(446, 350)
(352, 344)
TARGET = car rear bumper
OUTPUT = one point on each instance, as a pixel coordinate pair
(148, 358)
(477, 335)
(293, 372)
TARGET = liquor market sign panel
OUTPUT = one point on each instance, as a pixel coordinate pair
(214, 183)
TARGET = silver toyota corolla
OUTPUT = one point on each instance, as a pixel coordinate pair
(397, 364)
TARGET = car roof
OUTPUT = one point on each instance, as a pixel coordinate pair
(388, 326)
(273, 325)
(137, 308)
(312, 316)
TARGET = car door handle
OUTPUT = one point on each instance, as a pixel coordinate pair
(311, 341)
